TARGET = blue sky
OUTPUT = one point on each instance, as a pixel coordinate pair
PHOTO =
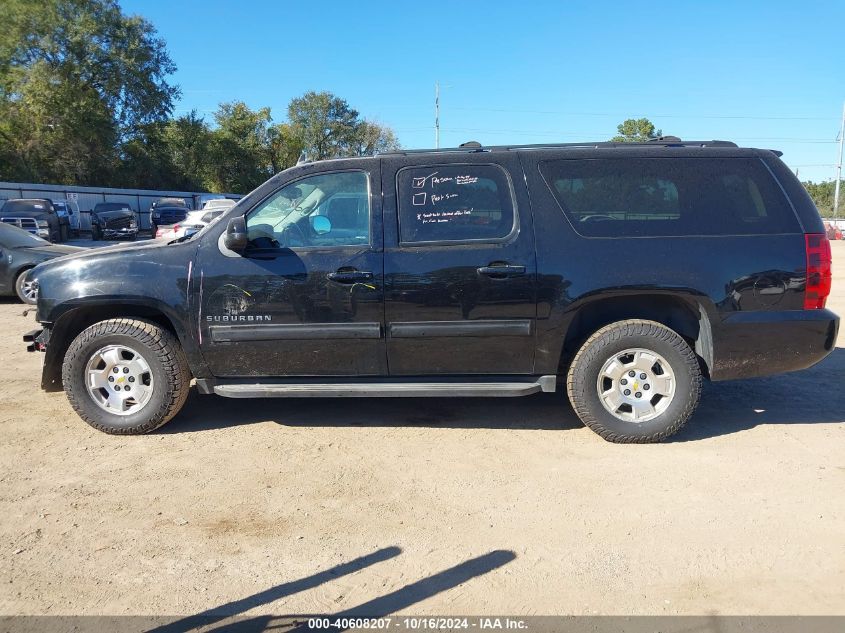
(766, 74)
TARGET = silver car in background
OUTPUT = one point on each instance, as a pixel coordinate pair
(195, 221)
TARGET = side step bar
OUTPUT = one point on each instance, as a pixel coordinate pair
(387, 389)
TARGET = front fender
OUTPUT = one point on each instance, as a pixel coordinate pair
(148, 282)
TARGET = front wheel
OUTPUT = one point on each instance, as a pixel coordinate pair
(27, 290)
(634, 382)
(126, 376)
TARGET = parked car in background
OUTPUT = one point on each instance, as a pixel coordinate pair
(73, 218)
(112, 221)
(20, 252)
(63, 211)
(34, 215)
(222, 203)
(203, 199)
(162, 215)
(168, 202)
(194, 222)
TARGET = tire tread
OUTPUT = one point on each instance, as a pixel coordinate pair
(615, 332)
(162, 343)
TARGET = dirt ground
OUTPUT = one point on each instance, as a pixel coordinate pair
(424, 506)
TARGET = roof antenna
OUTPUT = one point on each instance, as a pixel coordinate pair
(474, 145)
(303, 158)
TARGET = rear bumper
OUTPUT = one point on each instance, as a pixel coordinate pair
(752, 344)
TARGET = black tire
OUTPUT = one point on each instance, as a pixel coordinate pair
(63, 233)
(616, 338)
(161, 351)
(19, 287)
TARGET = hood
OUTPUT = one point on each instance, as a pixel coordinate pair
(103, 252)
(56, 250)
(117, 213)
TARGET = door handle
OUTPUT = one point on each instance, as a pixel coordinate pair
(501, 271)
(350, 276)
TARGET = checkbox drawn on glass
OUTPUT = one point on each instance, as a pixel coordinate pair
(419, 183)
(418, 199)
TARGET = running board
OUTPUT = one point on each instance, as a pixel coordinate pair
(387, 389)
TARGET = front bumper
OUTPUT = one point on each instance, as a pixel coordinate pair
(752, 344)
(116, 234)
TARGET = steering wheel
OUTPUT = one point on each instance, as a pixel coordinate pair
(288, 234)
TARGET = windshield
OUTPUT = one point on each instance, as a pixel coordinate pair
(13, 237)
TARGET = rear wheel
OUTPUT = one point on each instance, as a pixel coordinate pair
(126, 376)
(634, 381)
(63, 233)
(27, 291)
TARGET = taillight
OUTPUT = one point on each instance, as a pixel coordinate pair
(819, 273)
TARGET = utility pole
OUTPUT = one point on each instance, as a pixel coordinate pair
(839, 166)
(437, 116)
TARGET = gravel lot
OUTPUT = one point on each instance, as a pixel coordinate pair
(424, 506)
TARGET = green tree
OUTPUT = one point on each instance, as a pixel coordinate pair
(373, 137)
(822, 194)
(78, 78)
(240, 148)
(285, 147)
(324, 124)
(188, 140)
(636, 131)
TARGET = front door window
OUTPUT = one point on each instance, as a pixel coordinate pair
(318, 211)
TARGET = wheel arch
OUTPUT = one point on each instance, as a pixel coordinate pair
(684, 314)
(74, 320)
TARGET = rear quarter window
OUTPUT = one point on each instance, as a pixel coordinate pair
(662, 197)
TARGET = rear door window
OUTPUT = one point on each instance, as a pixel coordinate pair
(455, 203)
(619, 197)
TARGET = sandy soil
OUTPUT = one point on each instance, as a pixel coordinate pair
(424, 506)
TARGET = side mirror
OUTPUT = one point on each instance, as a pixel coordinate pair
(321, 224)
(235, 237)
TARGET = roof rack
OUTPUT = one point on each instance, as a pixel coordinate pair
(475, 146)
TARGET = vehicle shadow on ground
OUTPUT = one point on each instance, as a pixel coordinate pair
(378, 607)
(812, 396)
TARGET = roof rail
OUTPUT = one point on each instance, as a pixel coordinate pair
(475, 146)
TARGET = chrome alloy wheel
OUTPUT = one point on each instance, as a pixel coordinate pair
(29, 288)
(636, 385)
(119, 380)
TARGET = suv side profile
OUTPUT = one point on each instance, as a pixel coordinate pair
(624, 273)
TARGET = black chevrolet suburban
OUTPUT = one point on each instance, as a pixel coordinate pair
(623, 273)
